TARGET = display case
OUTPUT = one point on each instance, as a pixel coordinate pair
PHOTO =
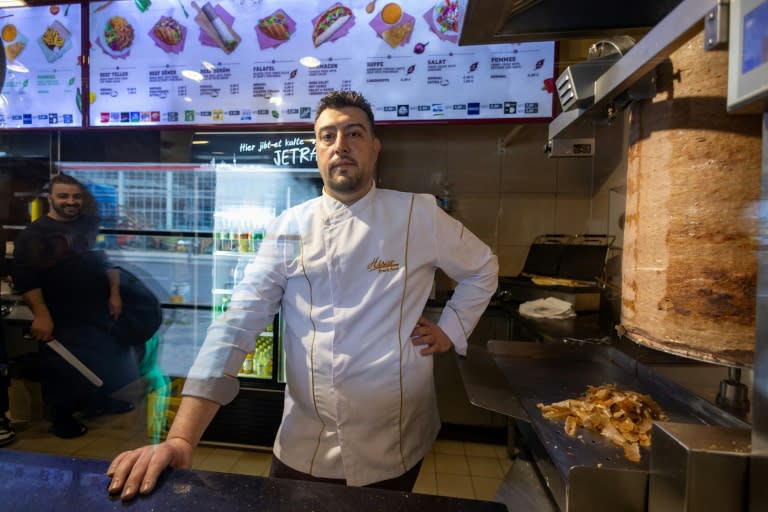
(248, 198)
(188, 230)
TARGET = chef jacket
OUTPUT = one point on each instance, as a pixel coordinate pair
(351, 283)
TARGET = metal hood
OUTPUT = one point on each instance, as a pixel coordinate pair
(514, 21)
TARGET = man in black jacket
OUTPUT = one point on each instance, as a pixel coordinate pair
(74, 295)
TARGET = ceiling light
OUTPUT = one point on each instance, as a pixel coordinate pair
(310, 62)
(17, 67)
(192, 75)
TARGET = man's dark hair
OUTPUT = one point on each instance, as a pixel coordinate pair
(64, 179)
(340, 99)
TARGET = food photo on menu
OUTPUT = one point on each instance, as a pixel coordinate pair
(116, 37)
(216, 27)
(14, 41)
(393, 25)
(55, 41)
(444, 19)
(168, 34)
(275, 29)
(332, 24)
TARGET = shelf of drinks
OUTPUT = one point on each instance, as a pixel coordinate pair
(236, 243)
(264, 376)
(234, 254)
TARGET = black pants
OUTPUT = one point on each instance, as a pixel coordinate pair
(64, 388)
(404, 482)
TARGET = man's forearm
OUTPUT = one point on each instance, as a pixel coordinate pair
(113, 275)
(34, 299)
(192, 419)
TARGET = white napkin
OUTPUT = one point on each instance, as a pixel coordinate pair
(550, 307)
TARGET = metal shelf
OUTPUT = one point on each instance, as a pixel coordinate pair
(676, 28)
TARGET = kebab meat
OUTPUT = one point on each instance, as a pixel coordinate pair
(623, 417)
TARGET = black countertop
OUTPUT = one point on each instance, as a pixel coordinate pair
(36, 481)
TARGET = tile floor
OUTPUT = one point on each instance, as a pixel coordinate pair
(452, 468)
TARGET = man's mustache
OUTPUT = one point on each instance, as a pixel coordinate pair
(343, 160)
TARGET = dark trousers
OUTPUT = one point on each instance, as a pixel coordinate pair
(65, 389)
(403, 482)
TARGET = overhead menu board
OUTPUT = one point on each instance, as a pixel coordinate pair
(43, 75)
(241, 62)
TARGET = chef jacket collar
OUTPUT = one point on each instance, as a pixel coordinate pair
(336, 211)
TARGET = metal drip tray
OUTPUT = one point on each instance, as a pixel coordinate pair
(586, 472)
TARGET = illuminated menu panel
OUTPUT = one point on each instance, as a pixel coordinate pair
(241, 62)
(43, 77)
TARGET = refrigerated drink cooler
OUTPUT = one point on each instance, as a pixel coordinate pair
(248, 198)
(188, 230)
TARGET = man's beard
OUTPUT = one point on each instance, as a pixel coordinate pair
(346, 181)
(66, 212)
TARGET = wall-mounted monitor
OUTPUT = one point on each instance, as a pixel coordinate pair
(268, 62)
(748, 56)
(43, 76)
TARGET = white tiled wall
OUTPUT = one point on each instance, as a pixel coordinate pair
(509, 195)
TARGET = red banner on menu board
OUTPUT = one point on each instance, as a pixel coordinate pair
(43, 86)
(241, 62)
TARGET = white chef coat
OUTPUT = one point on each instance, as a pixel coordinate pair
(351, 282)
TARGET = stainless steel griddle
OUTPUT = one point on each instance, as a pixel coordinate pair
(587, 472)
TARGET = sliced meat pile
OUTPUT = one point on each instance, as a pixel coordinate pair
(624, 417)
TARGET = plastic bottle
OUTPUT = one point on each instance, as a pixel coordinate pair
(248, 363)
(244, 242)
(239, 271)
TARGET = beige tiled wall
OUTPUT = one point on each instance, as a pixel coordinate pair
(507, 195)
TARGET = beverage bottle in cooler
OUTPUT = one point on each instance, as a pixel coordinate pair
(268, 365)
(222, 305)
(256, 238)
(248, 363)
(232, 242)
(222, 236)
(239, 271)
(244, 242)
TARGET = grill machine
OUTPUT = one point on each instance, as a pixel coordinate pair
(704, 457)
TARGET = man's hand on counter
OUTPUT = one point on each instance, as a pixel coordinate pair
(137, 471)
(430, 334)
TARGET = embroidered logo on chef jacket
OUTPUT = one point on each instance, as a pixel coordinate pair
(383, 265)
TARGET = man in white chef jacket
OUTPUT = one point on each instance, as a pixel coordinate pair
(351, 272)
